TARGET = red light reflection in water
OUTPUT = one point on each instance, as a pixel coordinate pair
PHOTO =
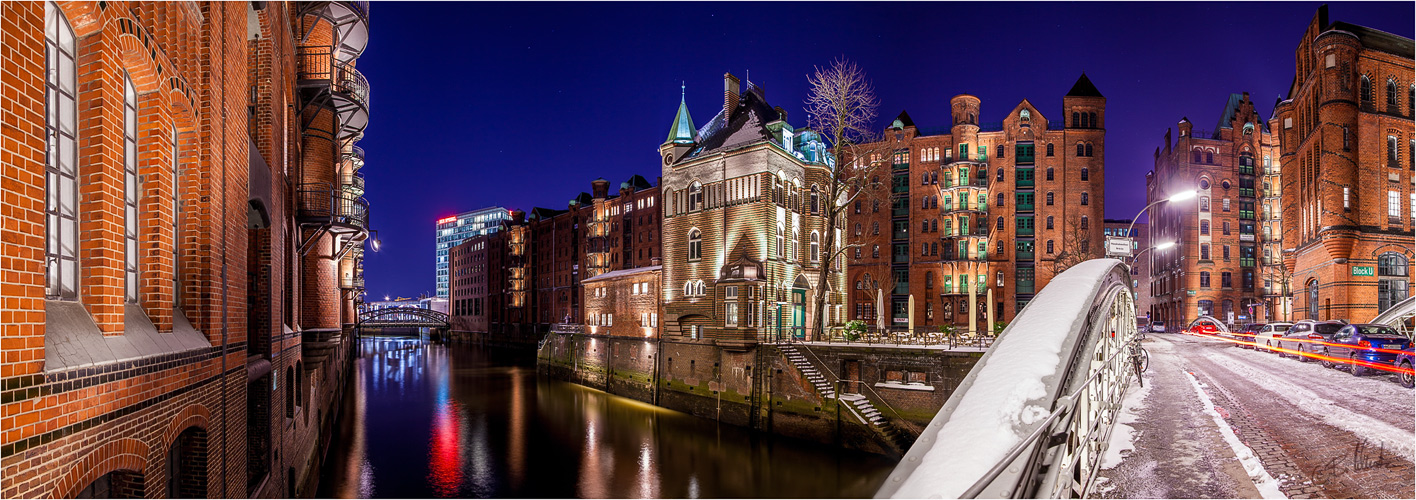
(444, 459)
(1386, 367)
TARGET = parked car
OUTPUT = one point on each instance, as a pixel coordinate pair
(1245, 335)
(1266, 335)
(1204, 328)
(1364, 342)
(1158, 326)
(1404, 362)
(1306, 336)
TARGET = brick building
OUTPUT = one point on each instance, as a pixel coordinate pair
(1346, 136)
(978, 208)
(742, 224)
(623, 303)
(1214, 268)
(1140, 268)
(468, 283)
(164, 335)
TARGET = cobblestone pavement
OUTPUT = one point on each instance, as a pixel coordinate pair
(1322, 433)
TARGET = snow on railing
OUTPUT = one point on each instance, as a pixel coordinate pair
(1017, 421)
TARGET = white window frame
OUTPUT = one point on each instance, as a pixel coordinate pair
(1394, 204)
(131, 189)
(61, 157)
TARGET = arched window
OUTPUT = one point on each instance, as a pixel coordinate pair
(1000, 175)
(1204, 227)
(999, 224)
(1204, 203)
(1084, 198)
(1076, 119)
(1081, 149)
(1392, 287)
(695, 196)
(1085, 173)
(857, 210)
(695, 244)
(61, 162)
(795, 253)
(857, 229)
(1094, 123)
(948, 227)
(815, 246)
(1049, 222)
(1366, 94)
(1392, 106)
(781, 242)
(1391, 151)
(815, 200)
(869, 283)
(934, 225)
(924, 249)
(874, 228)
(1313, 287)
(1049, 149)
(1195, 156)
(1049, 246)
(924, 226)
(1049, 198)
(1049, 173)
(1089, 150)
(688, 289)
(934, 177)
(934, 248)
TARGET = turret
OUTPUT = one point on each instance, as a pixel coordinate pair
(682, 134)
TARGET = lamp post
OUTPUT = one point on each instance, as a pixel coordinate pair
(1181, 196)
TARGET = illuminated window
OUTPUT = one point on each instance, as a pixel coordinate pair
(695, 196)
(695, 245)
(130, 188)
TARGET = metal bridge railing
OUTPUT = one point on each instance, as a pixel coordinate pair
(1033, 416)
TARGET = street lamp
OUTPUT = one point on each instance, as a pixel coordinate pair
(1181, 196)
(1159, 246)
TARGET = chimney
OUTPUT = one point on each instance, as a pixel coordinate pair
(730, 95)
(518, 216)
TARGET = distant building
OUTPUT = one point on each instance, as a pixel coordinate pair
(1140, 268)
(454, 229)
(975, 208)
(1214, 269)
(1348, 153)
(624, 303)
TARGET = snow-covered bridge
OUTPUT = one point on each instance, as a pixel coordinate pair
(1033, 416)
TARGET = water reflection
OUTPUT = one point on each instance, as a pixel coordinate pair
(434, 421)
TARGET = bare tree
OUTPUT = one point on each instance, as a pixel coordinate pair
(1074, 239)
(841, 108)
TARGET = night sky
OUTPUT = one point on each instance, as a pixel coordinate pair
(522, 105)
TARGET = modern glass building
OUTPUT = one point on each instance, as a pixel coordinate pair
(453, 229)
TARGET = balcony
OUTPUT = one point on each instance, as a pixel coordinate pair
(353, 183)
(354, 282)
(321, 75)
(355, 157)
(334, 211)
(351, 21)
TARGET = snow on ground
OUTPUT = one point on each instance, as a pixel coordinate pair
(1004, 398)
(1375, 432)
(1267, 485)
(1123, 436)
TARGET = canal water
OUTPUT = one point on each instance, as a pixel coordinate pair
(425, 420)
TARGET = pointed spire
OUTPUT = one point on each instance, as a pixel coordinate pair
(1084, 88)
(682, 130)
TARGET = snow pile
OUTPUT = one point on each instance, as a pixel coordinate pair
(1267, 485)
(995, 413)
(1375, 432)
(1123, 436)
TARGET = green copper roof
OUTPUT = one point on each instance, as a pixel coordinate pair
(682, 131)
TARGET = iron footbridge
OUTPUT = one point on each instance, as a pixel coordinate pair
(1033, 416)
(403, 317)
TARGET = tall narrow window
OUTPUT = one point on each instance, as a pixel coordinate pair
(1049, 149)
(1366, 95)
(1391, 98)
(1391, 151)
(815, 247)
(61, 158)
(1084, 198)
(695, 196)
(1084, 172)
(1049, 198)
(1081, 149)
(176, 225)
(130, 188)
(815, 200)
(781, 252)
(1346, 199)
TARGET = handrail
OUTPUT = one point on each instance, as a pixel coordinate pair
(318, 199)
(1074, 321)
(838, 381)
(317, 63)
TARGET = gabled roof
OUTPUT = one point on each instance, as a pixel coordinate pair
(638, 182)
(904, 119)
(681, 131)
(744, 125)
(1230, 108)
(1084, 88)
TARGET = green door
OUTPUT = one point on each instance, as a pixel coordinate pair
(799, 314)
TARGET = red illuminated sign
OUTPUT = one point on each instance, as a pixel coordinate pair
(446, 220)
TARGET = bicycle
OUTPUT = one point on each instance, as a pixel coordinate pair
(1140, 359)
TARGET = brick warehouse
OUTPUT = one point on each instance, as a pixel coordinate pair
(1348, 153)
(978, 208)
(1214, 269)
(162, 335)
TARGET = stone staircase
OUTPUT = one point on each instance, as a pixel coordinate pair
(878, 422)
(823, 386)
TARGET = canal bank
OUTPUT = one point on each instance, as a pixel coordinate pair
(426, 420)
(888, 393)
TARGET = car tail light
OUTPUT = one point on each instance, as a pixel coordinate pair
(1364, 344)
(1315, 336)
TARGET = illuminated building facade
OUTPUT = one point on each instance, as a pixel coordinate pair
(956, 213)
(742, 225)
(1215, 268)
(1348, 154)
(452, 230)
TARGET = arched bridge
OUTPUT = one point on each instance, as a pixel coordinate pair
(400, 317)
(1033, 416)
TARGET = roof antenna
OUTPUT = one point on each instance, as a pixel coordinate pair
(683, 89)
